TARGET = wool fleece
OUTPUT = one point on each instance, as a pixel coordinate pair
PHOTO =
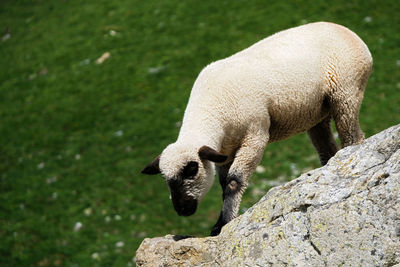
(293, 81)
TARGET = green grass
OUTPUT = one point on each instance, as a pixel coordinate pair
(74, 134)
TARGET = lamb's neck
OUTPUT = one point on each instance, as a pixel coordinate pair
(201, 133)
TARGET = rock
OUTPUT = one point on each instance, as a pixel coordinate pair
(346, 213)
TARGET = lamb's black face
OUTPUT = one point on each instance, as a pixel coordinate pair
(184, 206)
(184, 203)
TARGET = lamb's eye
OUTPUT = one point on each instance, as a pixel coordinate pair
(190, 170)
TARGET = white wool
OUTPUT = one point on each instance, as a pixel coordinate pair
(268, 92)
(283, 75)
(175, 157)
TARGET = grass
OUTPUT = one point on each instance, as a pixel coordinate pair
(74, 134)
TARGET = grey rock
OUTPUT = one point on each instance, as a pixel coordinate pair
(346, 213)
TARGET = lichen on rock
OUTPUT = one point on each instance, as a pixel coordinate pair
(346, 213)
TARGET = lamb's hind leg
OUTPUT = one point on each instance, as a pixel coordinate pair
(345, 111)
(323, 141)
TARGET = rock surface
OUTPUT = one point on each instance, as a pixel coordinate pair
(346, 213)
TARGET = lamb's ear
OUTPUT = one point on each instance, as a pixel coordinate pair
(153, 167)
(208, 153)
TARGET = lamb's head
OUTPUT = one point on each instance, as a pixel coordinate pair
(189, 173)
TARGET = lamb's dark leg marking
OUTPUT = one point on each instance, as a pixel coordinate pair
(232, 194)
(222, 171)
(222, 175)
(322, 138)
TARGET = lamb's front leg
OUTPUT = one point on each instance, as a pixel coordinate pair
(234, 179)
(222, 175)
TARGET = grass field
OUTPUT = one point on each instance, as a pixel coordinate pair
(74, 134)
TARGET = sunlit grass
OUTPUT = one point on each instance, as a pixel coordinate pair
(75, 134)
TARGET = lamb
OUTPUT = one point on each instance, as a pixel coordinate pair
(293, 81)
